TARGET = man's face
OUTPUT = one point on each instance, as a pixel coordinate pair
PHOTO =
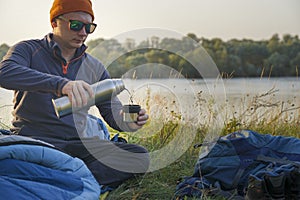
(68, 38)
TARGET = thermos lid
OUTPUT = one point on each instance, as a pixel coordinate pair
(131, 108)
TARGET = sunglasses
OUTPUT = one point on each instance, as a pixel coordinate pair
(76, 25)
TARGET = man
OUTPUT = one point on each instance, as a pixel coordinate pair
(41, 70)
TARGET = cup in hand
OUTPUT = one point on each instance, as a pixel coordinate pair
(131, 112)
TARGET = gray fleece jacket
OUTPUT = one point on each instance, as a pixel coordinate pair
(37, 72)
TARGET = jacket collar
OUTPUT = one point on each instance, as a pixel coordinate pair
(55, 49)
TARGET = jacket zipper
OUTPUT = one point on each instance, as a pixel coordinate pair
(65, 67)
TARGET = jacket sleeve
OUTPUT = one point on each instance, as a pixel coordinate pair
(17, 74)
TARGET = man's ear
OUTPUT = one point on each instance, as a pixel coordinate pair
(54, 23)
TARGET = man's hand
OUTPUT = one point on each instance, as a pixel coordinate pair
(141, 120)
(78, 92)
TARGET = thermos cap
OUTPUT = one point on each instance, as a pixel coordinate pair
(131, 108)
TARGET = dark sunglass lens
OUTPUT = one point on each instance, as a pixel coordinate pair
(89, 28)
(76, 25)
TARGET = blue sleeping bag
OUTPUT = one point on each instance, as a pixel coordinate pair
(31, 169)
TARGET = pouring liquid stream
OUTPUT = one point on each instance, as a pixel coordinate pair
(130, 96)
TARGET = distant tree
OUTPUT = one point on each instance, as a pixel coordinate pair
(94, 43)
(274, 44)
(295, 63)
(287, 39)
(144, 44)
(174, 61)
(232, 65)
(157, 56)
(135, 60)
(193, 36)
(3, 50)
(107, 51)
(290, 46)
(280, 64)
(171, 44)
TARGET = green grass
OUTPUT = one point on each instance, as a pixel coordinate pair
(261, 113)
(161, 184)
(155, 185)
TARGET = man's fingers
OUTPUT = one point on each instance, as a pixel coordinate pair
(78, 92)
(78, 95)
(88, 89)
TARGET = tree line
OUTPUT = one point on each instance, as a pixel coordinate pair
(234, 58)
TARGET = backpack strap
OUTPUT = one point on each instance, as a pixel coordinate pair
(238, 177)
(190, 186)
(197, 187)
(276, 181)
(277, 160)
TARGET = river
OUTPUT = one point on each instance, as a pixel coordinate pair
(199, 100)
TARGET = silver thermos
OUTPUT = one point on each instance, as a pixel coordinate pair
(103, 90)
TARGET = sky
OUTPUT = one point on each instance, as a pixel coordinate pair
(225, 19)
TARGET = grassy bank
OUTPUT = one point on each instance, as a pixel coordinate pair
(161, 184)
(261, 113)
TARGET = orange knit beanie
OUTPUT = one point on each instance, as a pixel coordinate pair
(60, 7)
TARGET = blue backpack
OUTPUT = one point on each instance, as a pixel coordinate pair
(246, 164)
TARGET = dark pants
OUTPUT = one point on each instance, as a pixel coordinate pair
(111, 163)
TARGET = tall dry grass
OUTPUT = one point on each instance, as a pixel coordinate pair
(263, 113)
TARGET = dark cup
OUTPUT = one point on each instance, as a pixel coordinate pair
(131, 112)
